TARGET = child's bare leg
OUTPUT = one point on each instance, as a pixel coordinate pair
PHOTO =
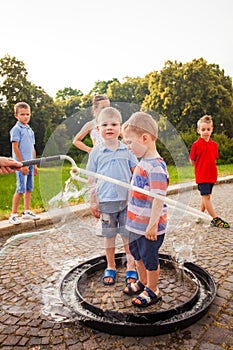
(208, 205)
(15, 202)
(142, 275)
(27, 200)
(110, 255)
(152, 283)
(152, 279)
(202, 206)
(129, 258)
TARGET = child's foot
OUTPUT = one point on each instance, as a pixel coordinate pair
(218, 222)
(28, 214)
(14, 219)
(131, 276)
(147, 297)
(134, 288)
(109, 277)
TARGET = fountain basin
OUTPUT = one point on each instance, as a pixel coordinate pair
(187, 295)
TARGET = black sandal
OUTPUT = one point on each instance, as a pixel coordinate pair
(132, 288)
(146, 300)
(218, 222)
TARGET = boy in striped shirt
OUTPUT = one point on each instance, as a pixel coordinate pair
(147, 216)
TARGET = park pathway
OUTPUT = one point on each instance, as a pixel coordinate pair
(33, 317)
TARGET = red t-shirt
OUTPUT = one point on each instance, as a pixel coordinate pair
(204, 154)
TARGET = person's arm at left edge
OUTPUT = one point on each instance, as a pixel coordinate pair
(7, 163)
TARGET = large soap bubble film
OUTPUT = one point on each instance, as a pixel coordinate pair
(58, 197)
(60, 142)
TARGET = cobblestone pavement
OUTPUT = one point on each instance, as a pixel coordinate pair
(32, 267)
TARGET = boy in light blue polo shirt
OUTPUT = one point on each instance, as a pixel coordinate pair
(23, 141)
(109, 201)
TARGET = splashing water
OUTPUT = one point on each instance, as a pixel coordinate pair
(37, 260)
(70, 191)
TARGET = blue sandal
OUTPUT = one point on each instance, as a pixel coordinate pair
(131, 274)
(134, 288)
(146, 300)
(109, 273)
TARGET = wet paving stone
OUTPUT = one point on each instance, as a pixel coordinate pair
(112, 298)
(32, 268)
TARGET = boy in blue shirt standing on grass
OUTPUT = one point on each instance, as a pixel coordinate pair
(23, 141)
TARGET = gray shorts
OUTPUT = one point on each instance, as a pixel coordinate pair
(114, 223)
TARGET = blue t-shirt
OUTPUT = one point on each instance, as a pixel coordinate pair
(114, 164)
(24, 135)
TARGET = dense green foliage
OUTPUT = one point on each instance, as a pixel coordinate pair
(184, 92)
(14, 88)
(180, 94)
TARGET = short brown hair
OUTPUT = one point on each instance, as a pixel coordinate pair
(97, 99)
(205, 119)
(19, 105)
(141, 122)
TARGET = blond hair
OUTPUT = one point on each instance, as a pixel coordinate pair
(141, 122)
(205, 119)
(110, 112)
(19, 105)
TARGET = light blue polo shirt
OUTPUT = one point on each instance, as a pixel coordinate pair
(114, 164)
(24, 135)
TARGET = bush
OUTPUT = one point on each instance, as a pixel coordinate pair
(225, 148)
(225, 145)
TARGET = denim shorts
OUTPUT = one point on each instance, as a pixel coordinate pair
(25, 183)
(205, 188)
(146, 250)
(113, 223)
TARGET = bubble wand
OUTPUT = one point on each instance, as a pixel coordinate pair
(76, 171)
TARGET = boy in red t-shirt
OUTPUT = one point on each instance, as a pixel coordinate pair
(203, 155)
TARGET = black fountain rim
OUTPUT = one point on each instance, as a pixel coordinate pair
(142, 317)
(125, 328)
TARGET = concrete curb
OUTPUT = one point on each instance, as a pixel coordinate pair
(50, 218)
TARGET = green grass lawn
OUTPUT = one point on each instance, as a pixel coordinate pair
(50, 182)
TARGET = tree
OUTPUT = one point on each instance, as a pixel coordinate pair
(131, 90)
(66, 93)
(14, 88)
(14, 78)
(185, 92)
(101, 86)
(70, 106)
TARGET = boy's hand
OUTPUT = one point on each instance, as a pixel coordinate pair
(36, 170)
(151, 233)
(25, 170)
(95, 212)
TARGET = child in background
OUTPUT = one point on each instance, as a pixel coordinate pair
(109, 201)
(23, 141)
(98, 103)
(147, 216)
(203, 155)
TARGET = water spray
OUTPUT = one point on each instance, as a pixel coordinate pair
(76, 171)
